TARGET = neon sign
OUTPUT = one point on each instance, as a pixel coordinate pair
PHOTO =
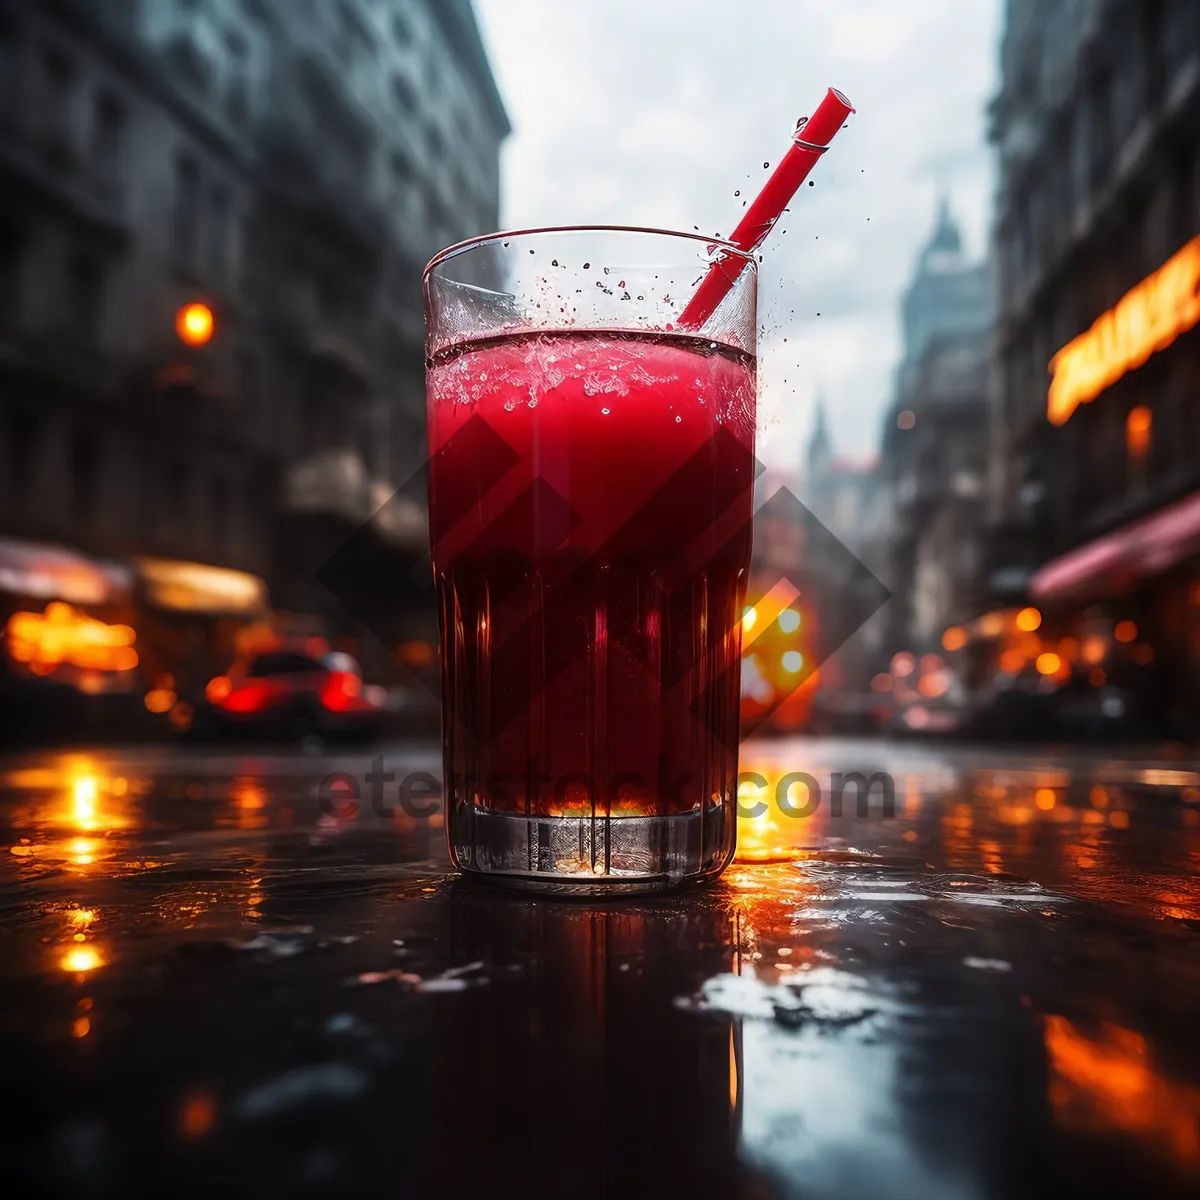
(1148, 318)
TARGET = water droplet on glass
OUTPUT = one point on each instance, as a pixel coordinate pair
(509, 405)
(604, 411)
(586, 266)
(738, 193)
(677, 420)
(812, 183)
(621, 284)
(766, 165)
(554, 262)
(531, 252)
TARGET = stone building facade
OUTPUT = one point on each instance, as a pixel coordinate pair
(1096, 497)
(933, 450)
(291, 165)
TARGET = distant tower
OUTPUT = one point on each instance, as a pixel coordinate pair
(948, 293)
(820, 448)
(818, 474)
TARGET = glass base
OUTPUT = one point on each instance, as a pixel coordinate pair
(587, 856)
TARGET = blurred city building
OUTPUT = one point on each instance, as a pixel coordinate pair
(213, 219)
(933, 452)
(1096, 469)
(848, 497)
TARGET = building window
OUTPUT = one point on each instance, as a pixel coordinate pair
(1154, 51)
(176, 488)
(1139, 427)
(465, 131)
(84, 478)
(1100, 118)
(8, 69)
(58, 74)
(11, 256)
(24, 443)
(186, 213)
(86, 297)
(402, 90)
(219, 512)
(401, 167)
(1183, 195)
(352, 42)
(237, 94)
(190, 64)
(248, 381)
(237, 99)
(108, 130)
(217, 228)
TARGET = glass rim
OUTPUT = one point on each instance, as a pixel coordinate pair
(484, 239)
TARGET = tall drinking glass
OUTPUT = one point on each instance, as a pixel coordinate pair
(590, 509)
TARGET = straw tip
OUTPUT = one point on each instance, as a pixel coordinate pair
(842, 98)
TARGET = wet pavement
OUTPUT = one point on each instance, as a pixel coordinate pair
(208, 983)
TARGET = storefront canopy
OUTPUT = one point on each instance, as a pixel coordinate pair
(1114, 562)
(198, 588)
(37, 571)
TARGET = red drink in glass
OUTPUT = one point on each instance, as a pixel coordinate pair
(590, 520)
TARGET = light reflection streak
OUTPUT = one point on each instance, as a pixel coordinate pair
(1109, 1082)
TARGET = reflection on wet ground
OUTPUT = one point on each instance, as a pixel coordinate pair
(209, 982)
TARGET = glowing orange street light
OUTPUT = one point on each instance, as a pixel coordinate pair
(194, 324)
(1028, 619)
(1137, 431)
(955, 638)
(1048, 663)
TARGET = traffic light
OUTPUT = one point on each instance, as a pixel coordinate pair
(195, 324)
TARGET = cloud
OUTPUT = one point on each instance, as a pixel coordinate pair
(656, 113)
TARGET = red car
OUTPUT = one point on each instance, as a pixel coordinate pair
(289, 695)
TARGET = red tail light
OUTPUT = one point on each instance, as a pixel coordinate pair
(340, 692)
(252, 696)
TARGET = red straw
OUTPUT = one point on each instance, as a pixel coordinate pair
(808, 144)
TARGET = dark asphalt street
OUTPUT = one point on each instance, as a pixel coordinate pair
(208, 985)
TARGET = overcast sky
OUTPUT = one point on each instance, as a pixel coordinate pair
(653, 112)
